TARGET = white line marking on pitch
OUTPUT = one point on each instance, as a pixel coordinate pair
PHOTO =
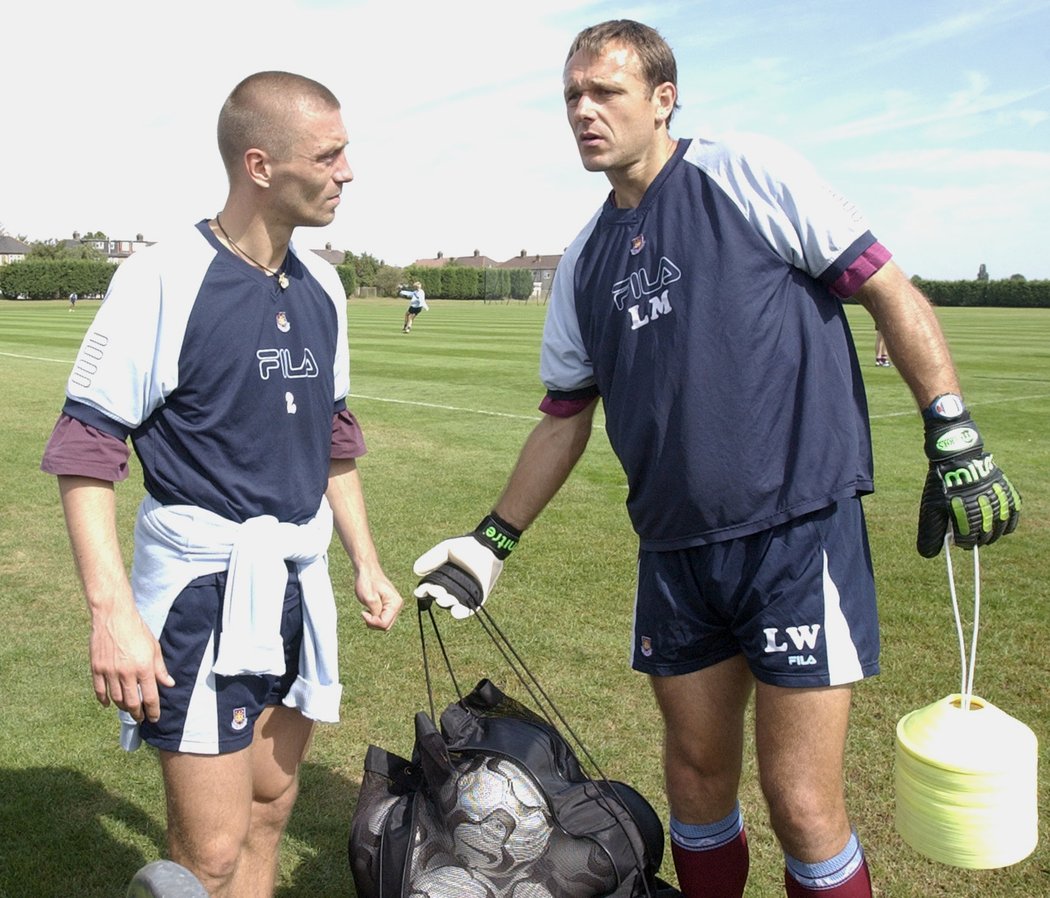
(480, 411)
(444, 408)
(35, 358)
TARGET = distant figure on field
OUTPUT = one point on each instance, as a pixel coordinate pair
(73, 301)
(417, 302)
(882, 358)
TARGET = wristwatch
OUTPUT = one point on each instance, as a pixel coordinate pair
(945, 407)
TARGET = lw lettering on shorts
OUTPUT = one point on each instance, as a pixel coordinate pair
(803, 639)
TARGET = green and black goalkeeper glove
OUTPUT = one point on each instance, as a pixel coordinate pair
(459, 573)
(964, 485)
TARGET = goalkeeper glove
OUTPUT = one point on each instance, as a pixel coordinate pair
(459, 573)
(963, 485)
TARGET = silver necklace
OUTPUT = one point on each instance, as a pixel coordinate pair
(282, 278)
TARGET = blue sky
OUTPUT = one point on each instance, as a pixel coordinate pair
(932, 116)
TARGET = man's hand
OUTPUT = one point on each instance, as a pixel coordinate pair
(127, 665)
(382, 602)
(963, 486)
(459, 573)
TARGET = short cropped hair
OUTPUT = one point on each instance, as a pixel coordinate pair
(657, 58)
(258, 113)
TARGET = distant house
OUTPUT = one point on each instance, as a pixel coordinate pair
(12, 250)
(473, 261)
(114, 250)
(542, 268)
(332, 256)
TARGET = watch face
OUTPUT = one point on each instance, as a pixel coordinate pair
(947, 406)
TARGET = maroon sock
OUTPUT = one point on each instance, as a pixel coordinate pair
(716, 873)
(857, 886)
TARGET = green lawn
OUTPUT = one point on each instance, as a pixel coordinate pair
(445, 410)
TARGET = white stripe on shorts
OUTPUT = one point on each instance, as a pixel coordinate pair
(843, 663)
(201, 733)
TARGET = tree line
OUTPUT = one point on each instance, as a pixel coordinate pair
(54, 270)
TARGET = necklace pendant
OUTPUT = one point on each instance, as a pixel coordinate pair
(282, 280)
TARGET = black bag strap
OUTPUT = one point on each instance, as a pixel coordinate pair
(529, 682)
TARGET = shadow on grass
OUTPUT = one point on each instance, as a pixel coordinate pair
(66, 834)
(63, 835)
(320, 825)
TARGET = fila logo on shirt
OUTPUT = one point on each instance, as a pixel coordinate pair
(803, 639)
(280, 360)
(645, 293)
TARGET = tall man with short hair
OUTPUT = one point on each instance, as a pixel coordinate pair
(702, 306)
(222, 356)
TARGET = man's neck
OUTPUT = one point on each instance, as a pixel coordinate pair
(251, 237)
(629, 185)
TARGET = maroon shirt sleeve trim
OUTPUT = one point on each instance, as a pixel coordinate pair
(857, 274)
(348, 441)
(565, 407)
(79, 450)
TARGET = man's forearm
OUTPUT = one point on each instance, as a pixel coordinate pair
(545, 462)
(913, 334)
(346, 496)
(90, 510)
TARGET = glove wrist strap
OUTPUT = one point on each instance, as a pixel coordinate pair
(949, 439)
(497, 535)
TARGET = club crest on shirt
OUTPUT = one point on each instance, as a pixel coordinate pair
(240, 718)
(637, 244)
(282, 323)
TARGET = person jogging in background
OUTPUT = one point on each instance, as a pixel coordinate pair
(882, 359)
(702, 305)
(222, 355)
(417, 302)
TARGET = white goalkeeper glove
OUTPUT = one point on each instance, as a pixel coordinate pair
(459, 573)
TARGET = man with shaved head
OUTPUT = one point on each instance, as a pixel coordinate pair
(222, 356)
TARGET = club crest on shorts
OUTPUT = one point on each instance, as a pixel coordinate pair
(637, 244)
(283, 324)
(240, 718)
(647, 646)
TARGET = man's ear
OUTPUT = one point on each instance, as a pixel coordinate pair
(664, 98)
(257, 166)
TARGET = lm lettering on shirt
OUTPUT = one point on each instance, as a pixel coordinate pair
(648, 287)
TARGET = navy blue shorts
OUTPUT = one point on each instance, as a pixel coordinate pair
(798, 601)
(204, 713)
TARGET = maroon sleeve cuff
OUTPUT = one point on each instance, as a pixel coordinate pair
(80, 450)
(862, 268)
(566, 407)
(348, 441)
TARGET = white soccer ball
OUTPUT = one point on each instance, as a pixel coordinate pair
(500, 820)
(529, 890)
(448, 882)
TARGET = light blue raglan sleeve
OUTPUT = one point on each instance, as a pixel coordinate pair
(803, 219)
(328, 278)
(128, 361)
(565, 365)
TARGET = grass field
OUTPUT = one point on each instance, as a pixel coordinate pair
(445, 410)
